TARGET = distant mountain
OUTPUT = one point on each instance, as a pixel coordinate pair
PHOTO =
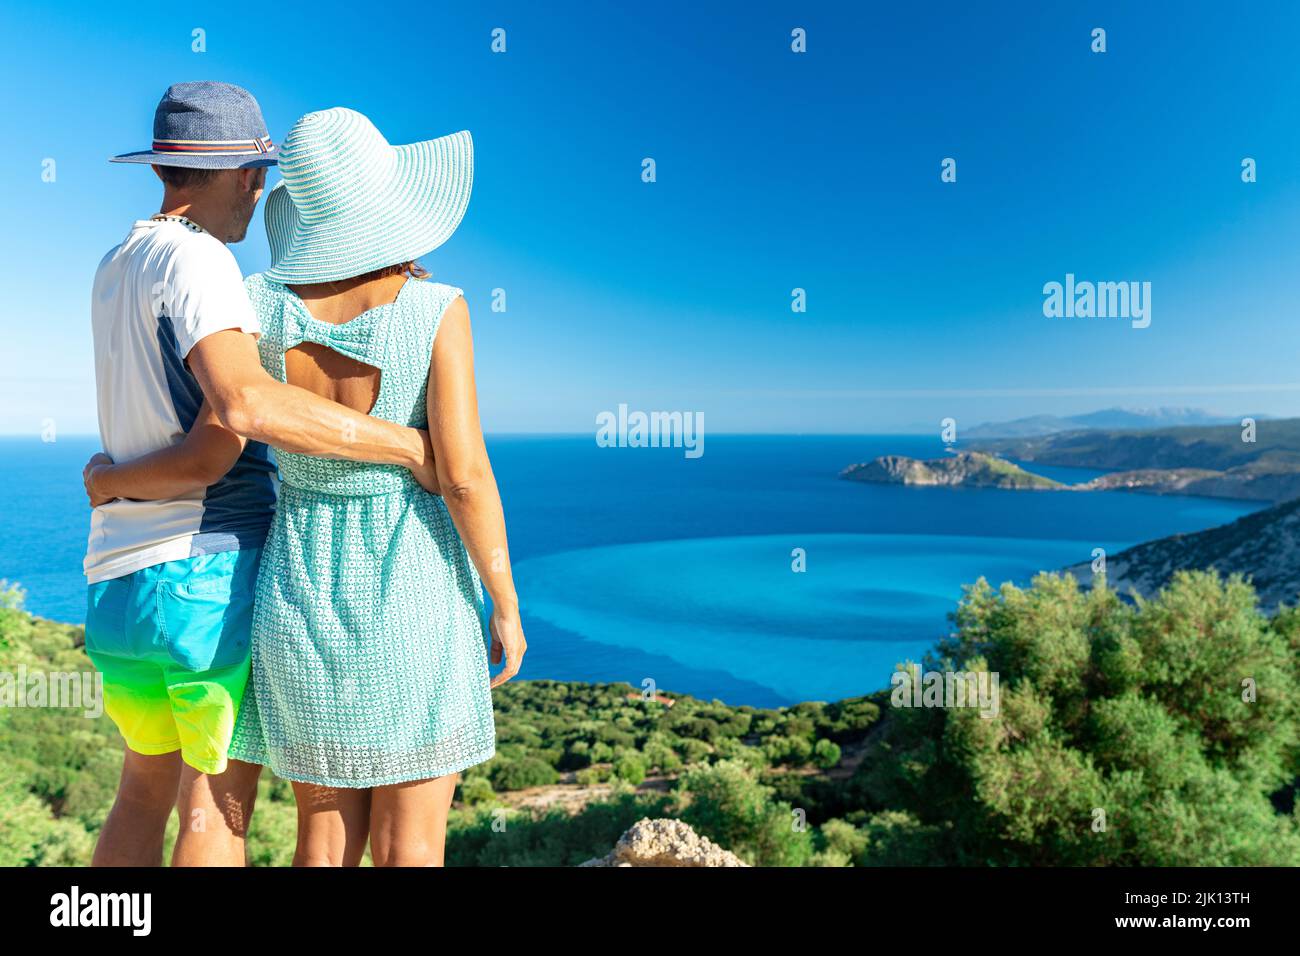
(965, 468)
(1216, 447)
(1210, 460)
(1108, 418)
(1256, 481)
(1264, 546)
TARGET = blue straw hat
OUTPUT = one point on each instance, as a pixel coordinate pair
(207, 125)
(360, 203)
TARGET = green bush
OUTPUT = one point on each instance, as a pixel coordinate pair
(725, 803)
(29, 836)
(475, 790)
(590, 776)
(1124, 734)
(826, 753)
(630, 768)
(793, 751)
(521, 773)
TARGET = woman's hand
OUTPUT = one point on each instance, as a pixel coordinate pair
(97, 460)
(508, 639)
(426, 472)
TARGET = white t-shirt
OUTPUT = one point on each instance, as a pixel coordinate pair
(167, 286)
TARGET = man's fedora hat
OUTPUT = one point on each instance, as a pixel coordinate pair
(207, 125)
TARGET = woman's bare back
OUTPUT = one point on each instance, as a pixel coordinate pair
(320, 369)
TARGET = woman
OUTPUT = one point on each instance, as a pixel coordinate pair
(370, 686)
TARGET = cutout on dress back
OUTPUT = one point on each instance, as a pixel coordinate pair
(331, 374)
(341, 379)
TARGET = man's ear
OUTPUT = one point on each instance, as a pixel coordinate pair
(157, 172)
(252, 179)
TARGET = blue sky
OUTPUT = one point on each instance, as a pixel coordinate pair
(775, 171)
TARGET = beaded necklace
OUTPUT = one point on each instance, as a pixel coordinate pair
(189, 224)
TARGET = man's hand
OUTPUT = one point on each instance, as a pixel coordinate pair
(425, 472)
(97, 460)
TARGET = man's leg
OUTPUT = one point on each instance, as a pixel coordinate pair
(215, 811)
(137, 701)
(132, 834)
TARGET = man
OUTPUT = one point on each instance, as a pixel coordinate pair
(171, 581)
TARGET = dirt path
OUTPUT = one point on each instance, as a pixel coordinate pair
(572, 796)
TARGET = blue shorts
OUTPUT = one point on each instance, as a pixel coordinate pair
(172, 642)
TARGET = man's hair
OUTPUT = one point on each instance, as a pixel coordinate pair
(183, 177)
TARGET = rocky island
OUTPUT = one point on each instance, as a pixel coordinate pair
(1205, 461)
(970, 468)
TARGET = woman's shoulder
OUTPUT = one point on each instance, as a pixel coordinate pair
(433, 298)
(261, 289)
(268, 297)
(433, 293)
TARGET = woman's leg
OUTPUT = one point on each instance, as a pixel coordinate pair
(408, 822)
(333, 823)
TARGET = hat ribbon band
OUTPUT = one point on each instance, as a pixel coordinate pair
(230, 147)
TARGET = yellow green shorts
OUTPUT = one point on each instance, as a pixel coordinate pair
(172, 642)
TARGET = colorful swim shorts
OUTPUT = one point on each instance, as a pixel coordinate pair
(172, 642)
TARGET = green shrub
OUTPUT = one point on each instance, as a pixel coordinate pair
(630, 768)
(593, 775)
(826, 754)
(521, 773)
(725, 803)
(475, 790)
(1124, 735)
(794, 751)
(29, 836)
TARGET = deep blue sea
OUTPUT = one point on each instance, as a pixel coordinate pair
(636, 563)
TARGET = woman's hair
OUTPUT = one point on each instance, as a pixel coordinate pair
(412, 269)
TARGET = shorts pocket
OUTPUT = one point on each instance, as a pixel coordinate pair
(106, 631)
(204, 623)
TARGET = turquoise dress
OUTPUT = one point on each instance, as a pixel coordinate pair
(369, 657)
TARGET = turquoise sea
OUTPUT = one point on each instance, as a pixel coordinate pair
(638, 563)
